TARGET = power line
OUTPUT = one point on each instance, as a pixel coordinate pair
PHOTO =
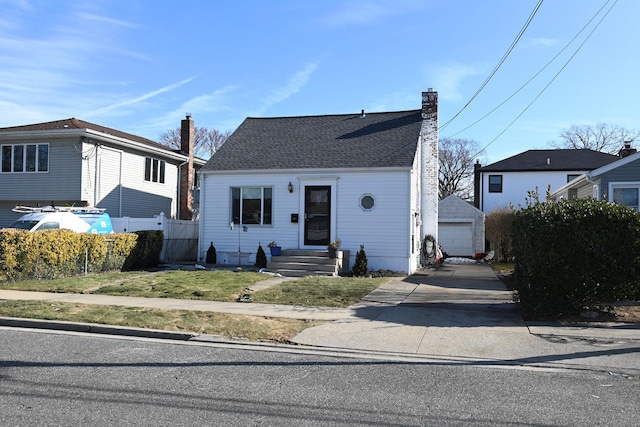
(497, 67)
(536, 74)
(552, 80)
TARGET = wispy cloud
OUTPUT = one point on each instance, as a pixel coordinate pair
(293, 86)
(105, 19)
(200, 107)
(132, 101)
(368, 12)
(448, 79)
(539, 42)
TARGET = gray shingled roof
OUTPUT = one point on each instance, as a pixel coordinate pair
(335, 141)
(74, 123)
(558, 160)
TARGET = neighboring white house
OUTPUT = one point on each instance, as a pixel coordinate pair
(306, 181)
(617, 182)
(74, 162)
(460, 227)
(507, 182)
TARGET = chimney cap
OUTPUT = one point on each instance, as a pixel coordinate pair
(188, 115)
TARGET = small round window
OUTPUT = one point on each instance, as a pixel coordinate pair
(367, 202)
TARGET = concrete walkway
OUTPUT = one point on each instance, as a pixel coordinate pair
(457, 312)
(464, 312)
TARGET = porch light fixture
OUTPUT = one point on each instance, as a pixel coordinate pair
(290, 187)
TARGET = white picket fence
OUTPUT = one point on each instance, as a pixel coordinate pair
(180, 236)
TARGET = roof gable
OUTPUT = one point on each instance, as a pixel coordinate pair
(552, 160)
(330, 141)
(454, 200)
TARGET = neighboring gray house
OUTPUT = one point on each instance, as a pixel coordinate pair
(367, 179)
(73, 162)
(617, 182)
(507, 182)
(460, 227)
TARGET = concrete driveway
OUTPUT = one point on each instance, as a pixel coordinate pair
(464, 312)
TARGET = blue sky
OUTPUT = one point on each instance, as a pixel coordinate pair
(140, 65)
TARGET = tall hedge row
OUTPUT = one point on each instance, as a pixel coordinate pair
(59, 253)
(572, 254)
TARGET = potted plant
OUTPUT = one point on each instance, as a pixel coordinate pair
(333, 248)
(274, 248)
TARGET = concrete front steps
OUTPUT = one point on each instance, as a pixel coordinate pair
(301, 262)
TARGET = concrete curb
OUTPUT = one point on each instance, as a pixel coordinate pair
(16, 322)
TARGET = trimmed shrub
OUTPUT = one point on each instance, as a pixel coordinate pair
(573, 254)
(261, 258)
(360, 265)
(146, 252)
(59, 253)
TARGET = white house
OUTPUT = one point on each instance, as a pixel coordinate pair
(366, 179)
(507, 182)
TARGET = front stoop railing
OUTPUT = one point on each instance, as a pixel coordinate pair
(301, 262)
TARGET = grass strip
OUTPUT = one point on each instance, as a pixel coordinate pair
(230, 326)
(319, 291)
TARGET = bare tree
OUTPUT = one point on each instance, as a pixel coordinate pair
(206, 141)
(599, 137)
(456, 158)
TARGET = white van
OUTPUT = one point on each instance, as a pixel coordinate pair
(80, 220)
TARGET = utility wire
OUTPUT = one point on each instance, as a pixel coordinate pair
(552, 80)
(536, 74)
(497, 67)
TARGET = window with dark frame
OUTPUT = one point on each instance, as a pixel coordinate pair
(571, 177)
(495, 183)
(251, 205)
(154, 170)
(29, 158)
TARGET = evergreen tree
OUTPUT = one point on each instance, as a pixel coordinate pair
(360, 266)
(261, 258)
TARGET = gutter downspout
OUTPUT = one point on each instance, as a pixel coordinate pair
(596, 186)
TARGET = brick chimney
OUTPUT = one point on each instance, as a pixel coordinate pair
(187, 136)
(429, 165)
(626, 150)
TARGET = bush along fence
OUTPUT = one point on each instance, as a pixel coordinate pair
(573, 254)
(60, 253)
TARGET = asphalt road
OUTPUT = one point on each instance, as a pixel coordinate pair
(54, 378)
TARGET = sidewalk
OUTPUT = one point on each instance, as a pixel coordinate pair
(463, 312)
(457, 312)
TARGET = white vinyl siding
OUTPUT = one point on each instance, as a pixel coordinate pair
(385, 231)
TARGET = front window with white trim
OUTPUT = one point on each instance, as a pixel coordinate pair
(627, 194)
(251, 205)
(25, 158)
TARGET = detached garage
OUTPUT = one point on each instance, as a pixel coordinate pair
(460, 227)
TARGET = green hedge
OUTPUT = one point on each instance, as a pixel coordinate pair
(573, 254)
(60, 253)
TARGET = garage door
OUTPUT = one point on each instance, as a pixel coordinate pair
(456, 238)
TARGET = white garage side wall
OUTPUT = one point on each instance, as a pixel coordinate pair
(384, 230)
(515, 186)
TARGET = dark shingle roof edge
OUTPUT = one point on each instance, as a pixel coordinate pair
(73, 123)
(552, 160)
(336, 141)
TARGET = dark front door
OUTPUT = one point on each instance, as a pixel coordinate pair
(317, 215)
